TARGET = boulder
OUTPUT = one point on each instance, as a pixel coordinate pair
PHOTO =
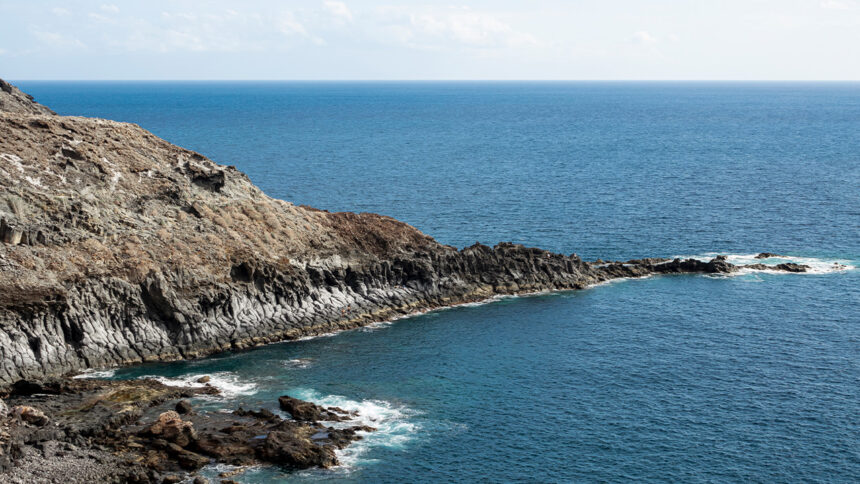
(792, 267)
(767, 255)
(302, 410)
(30, 415)
(172, 428)
(287, 449)
(183, 407)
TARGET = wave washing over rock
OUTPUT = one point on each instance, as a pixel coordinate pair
(118, 247)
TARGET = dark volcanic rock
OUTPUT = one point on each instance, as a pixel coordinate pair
(307, 411)
(767, 255)
(172, 428)
(792, 267)
(183, 407)
(128, 435)
(293, 448)
(64, 435)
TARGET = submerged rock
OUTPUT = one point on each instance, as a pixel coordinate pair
(792, 267)
(767, 255)
(183, 407)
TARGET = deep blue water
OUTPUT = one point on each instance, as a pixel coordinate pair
(694, 379)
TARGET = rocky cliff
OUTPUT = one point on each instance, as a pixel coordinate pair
(119, 247)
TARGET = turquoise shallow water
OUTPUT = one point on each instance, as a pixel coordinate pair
(698, 379)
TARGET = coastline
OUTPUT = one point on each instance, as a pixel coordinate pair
(169, 256)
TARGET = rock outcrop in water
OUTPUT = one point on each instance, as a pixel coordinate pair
(119, 247)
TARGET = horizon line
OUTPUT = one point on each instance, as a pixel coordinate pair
(438, 80)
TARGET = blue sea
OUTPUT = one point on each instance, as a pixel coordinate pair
(748, 378)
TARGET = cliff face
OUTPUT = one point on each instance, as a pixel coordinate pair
(118, 247)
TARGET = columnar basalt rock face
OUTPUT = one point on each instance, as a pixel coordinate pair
(118, 247)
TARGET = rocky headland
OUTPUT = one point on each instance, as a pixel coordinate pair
(117, 247)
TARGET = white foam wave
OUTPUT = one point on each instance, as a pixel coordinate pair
(315, 336)
(95, 374)
(816, 265)
(617, 280)
(214, 472)
(490, 300)
(482, 302)
(393, 424)
(377, 325)
(230, 384)
(298, 363)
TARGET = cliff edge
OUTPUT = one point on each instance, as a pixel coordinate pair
(119, 247)
(13, 100)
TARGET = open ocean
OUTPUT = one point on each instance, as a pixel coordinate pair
(753, 377)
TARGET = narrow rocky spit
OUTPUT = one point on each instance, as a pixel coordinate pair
(117, 247)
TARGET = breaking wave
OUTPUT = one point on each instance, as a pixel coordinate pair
(95, 374)
(816, 265)
(230, 384)
(298, 363)
(393, 423)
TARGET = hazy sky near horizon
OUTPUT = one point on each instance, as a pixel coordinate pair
(466, 39)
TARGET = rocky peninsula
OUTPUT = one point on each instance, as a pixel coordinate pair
(117, 247)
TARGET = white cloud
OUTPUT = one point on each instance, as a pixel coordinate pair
(339, 10)
(644, 38)
(839, 4)
(100, 18)
(109, 8)
(214, 31)
(60, 12)
(2, 51)
(288, 25)
(57, 40)
(434, 27)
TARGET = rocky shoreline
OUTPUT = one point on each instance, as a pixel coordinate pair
(67, 430)
(86, 430)
(118, 248)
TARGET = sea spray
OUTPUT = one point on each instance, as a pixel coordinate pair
(816, 265)
(230, 384)
(393, 423)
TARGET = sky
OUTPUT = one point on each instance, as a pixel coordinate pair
(423, 40)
